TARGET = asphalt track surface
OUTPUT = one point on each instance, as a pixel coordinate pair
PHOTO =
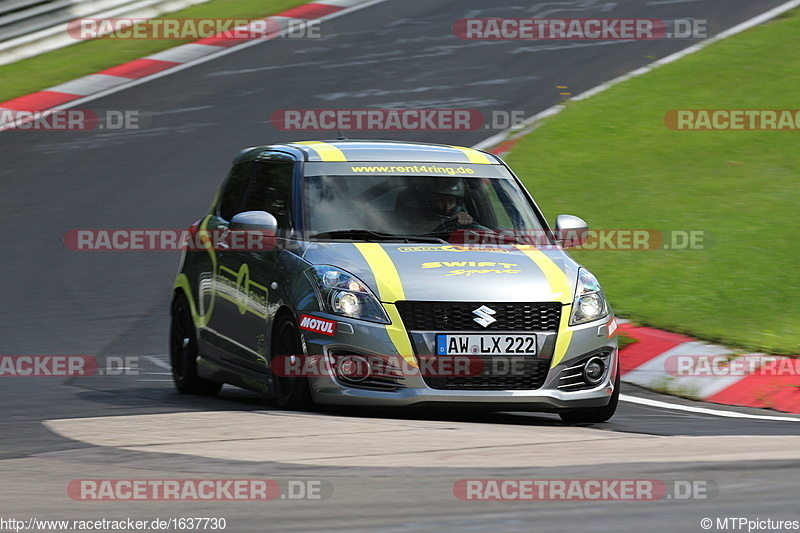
(388, 471)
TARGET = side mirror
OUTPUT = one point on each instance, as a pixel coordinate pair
(571, 231)
(254, 220)
(252, 231)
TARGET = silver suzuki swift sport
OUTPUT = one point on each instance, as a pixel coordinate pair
(382, 273)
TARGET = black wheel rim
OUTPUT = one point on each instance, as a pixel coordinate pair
(180, 341)
(286, 347)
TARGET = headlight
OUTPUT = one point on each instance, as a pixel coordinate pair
(343, 294)
(590, 303)
(346, 303)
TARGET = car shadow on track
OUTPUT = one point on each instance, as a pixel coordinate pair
(630, 418)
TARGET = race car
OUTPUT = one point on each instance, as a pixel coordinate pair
(385, 273)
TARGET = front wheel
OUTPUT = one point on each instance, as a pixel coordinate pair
(292, 393)
(594, 415)
(183, 352)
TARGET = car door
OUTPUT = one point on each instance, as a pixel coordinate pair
(244, 273)
(216, 295)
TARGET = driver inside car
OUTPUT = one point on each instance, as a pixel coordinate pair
(446, 201)
(434, 205)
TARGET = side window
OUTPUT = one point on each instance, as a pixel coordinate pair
(234, 191)
(270, 190)
(501, 208)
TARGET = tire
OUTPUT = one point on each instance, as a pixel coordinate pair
(291, 393)
(183, 352)
(594, 415)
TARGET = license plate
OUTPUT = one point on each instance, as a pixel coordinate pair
(486, 344)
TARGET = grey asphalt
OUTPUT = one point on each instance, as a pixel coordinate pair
(397, 54)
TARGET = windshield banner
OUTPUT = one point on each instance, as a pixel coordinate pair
(406, 169)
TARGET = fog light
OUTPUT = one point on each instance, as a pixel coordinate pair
(353, 368)
(594, 370)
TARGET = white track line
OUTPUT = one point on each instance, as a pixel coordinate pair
(158, 362)
(702, 410)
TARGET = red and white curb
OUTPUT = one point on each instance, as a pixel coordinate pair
(162, 62)
(682, 366)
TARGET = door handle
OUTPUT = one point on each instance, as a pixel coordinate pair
(220, 243)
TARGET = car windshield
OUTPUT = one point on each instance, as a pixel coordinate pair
(387, 207)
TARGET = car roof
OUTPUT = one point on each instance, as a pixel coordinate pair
(370, 151)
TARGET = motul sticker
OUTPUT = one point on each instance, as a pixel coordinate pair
(319, 325)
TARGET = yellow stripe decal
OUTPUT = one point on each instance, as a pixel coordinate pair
(474, 156)
(564, 336)
(327, 152)
(399, 336)
(561, 289)
(182, 281)
(559, 285)
(390, 290)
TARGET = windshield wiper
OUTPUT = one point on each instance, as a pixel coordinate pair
(369, 235)
(441, 235)
(445, 235)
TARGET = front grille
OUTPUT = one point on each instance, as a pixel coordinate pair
(499, 373)
(458, 316)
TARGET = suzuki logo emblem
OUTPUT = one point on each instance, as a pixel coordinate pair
(484, 317)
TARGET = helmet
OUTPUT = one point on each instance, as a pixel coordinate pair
(446, 196)
(449, 186)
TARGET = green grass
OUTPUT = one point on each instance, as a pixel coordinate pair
(611, 160)
(625, 340)
(74, 61)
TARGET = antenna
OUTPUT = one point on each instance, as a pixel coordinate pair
(340, 137)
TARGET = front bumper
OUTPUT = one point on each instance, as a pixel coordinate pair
(370, 339)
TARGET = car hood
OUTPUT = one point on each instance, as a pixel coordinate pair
(433, 272)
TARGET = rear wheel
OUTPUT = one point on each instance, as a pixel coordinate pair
(293, 393)
(183, 352)
(594, 415)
